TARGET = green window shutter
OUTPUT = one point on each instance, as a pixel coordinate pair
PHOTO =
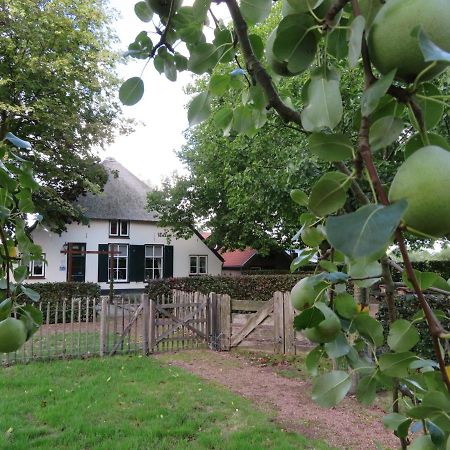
(103, 263)
(136, 262)
(168, 261)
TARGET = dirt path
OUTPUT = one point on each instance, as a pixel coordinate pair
(348, 426)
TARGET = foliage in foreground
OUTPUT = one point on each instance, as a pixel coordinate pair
(128, 402)
(350, 217)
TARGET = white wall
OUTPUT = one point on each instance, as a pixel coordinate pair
(98, 233)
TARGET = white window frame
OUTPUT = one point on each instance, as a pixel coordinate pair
(116, 269)
(119, 223)
(31, 268)
(197, 264)
(152, 269)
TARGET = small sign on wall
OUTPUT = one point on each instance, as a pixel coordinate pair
(62, 268)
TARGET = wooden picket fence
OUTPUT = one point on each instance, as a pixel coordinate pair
(132, 323)
(83, 327)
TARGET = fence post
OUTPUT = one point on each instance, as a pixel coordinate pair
(103, 320)
(289, 331)
(225, 322)
(152, 326)
(214, 344)
(278, 322)
(145, 329)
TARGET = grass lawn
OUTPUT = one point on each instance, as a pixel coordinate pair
(128, 403)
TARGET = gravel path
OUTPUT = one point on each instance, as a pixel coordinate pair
(348, 426)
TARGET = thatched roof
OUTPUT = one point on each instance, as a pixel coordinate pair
(124, 196)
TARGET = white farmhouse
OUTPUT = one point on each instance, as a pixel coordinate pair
(119, 223)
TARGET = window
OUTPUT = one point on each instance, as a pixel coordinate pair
(36, 268)
(153, 262)
(119, 228)
(120, 265)
(198, 265)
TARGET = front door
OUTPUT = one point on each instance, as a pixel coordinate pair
(76, 262)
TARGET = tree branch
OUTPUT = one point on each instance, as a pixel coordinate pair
(256, 69)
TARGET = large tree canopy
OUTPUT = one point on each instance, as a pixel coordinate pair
(58, 90)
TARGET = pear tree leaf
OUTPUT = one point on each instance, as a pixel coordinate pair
(219, 84)
(425, 279)
(393, 420)
(432, 111)
(203, 57)
(365, 231)
(313, 358)
(331, 147)
(396, 364)
(20, 273)
(295, 43)
(331, 388)
(324, 102)
(302, 260)
(143, 11)
(370, 328)
(366, 392)
(329, 194)
(303, 5)
(30, 293)
(337, 348)
(131, 91)
(403, 336)
(365, 268)
(356, 35)
(345, 305)
(372, 96)
(385, 131)
(255, 11)
(299, 197)
(422, 443)
(199, 109)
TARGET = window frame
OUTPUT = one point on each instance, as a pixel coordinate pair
(31, 268)
(153, 257)
(116, 266)
(119, 223)
(197, 265)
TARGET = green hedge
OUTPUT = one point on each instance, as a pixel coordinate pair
(58, 291)
(246, 287)
(53, 292)
(407, 306)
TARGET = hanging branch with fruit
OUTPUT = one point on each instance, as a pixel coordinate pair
(19, 319)
(399, 51)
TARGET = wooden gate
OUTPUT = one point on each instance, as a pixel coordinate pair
(181, 322)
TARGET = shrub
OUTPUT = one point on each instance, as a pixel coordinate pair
(246, 287)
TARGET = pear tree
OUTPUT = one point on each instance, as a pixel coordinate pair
(351, 216)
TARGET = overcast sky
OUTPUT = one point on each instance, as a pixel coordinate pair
(149, 151)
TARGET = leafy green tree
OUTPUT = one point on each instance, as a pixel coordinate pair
(355, 211)
(57, 90)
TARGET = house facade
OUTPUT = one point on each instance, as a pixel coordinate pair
(122, 241)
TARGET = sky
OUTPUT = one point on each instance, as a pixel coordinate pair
(161, 115)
